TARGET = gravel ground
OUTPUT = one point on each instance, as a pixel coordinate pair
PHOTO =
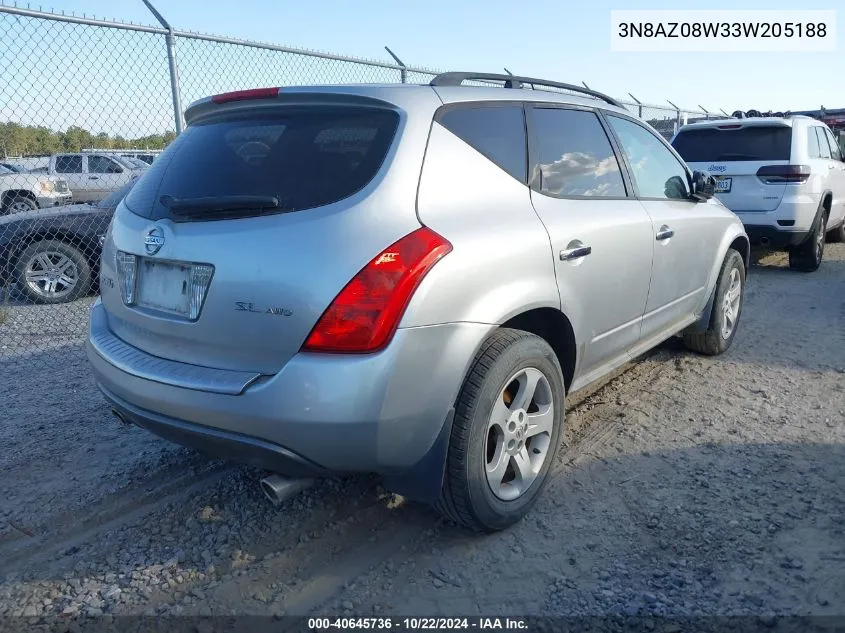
(687, 486)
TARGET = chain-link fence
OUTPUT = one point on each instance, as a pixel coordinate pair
(85, 105)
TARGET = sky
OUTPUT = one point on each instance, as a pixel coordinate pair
(558, 39)
(116, 81)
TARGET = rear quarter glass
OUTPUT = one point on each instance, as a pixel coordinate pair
(305, 158)
(743, 144)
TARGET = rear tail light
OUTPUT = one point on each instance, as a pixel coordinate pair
(127, 273)
(200, 279)
(245, 95)
(780, 174)
(366, 313)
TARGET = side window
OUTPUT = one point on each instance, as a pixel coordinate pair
(69, 164)
(574, 155)
(835, 151)
(102, 165)
(656, 171)
(823, 146)
(813, 150)
(497, 132)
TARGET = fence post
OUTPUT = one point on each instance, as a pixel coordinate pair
(174, 70)
(677, 115)
(403, 72)
(706, 113)
(639, 105)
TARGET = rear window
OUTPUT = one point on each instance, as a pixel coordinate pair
(496, 131)
(302, 158)
(744, 144)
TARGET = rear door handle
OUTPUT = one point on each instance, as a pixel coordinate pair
(831, 166)
(93, 177)
(664, 233)
(575, 253)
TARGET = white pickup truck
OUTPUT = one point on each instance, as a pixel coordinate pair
(90, 176)
(23, 191)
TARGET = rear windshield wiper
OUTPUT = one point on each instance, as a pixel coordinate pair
(219, 204)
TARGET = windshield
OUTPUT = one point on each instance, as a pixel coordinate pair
(133, 162)
(299, 158)
(757, 143)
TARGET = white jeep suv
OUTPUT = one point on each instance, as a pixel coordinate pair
(783, 176)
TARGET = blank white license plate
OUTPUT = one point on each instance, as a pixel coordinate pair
(723, 185)
(164, 286)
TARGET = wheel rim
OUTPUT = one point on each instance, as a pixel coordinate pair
(820, 242)
(20, 206)
(519, 434)
(51, 274)
(730, 305)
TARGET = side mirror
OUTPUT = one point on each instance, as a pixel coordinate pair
(703, 186)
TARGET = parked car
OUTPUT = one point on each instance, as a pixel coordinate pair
(53, 255)
(783, 176)
(21, 191)
(90, 176)
(405, 280)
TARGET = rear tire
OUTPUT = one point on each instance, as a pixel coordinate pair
(727, 308)
(837, 235)
(807, 257)
(506, 432)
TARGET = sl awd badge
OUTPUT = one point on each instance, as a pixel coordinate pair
(246, 306)
(154, 240)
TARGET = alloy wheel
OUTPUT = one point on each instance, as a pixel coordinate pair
(51, 274)
(519, 434)
(731, 303)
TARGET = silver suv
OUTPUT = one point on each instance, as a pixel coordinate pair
(405, 280)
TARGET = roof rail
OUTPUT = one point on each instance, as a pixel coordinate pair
(516, 81)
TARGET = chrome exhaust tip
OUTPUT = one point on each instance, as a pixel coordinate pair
(279, 489)
(120, 417)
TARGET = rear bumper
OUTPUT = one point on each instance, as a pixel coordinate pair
(771, 236)
(221, 443)
(379, 413)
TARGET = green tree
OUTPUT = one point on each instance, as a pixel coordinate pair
(22, 140)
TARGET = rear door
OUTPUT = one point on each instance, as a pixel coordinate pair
(685, 233)
(734, 152)
(71, 169)
(601, 236)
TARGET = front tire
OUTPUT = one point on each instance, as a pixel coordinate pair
(19, 204)
(727, 307)
(506, 432)
(51, 271)
(807, 257)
